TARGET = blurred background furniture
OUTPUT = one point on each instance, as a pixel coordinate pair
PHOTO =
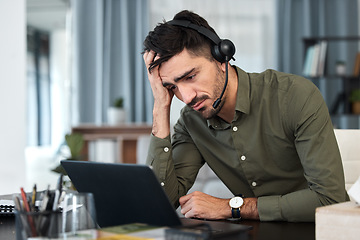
(125, 136)
(349, 145)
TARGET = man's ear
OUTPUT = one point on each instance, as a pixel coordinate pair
(223, 66)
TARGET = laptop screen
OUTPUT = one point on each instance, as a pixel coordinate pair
(123, 193)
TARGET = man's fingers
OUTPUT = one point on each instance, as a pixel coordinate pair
(184, 199)
(186, 203)
(161, 94)
(149, 57)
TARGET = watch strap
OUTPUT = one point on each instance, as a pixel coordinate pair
(235, 212)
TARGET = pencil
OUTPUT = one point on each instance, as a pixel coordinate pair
(27, 209)
(25, 201)
(33, 198)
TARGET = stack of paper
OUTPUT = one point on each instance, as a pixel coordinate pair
(338, 221)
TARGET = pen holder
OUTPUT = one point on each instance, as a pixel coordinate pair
(78, 214)
(37, 224)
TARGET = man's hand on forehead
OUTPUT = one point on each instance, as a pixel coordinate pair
(149, 58)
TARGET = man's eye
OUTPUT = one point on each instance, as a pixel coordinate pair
(191, 77)
(172, 87)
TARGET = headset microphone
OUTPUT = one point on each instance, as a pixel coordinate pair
(218, 101)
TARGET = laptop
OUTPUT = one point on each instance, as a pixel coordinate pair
(130, 193)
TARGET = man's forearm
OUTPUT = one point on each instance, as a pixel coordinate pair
(249, 210)
(161, 121)
(162, 97)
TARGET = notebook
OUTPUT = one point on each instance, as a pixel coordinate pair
(129, 193)
(6, 207)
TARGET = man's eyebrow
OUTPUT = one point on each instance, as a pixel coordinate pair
(176, 79)
(184, 75)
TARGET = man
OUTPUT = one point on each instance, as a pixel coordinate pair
(269, 139)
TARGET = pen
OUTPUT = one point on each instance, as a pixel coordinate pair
(33, 198)
(50, 203)
(17, 203)
(46, 205)
(45, 200)
(58, 193)
(27, 209)
(60, 183)
(56, 199)
(61, 198)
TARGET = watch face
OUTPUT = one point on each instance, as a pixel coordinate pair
(236, 202)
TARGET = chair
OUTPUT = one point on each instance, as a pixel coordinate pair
(349, 146)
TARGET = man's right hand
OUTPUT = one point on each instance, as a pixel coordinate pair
(162, 98)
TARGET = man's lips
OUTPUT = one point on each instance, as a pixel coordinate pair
(197, 106)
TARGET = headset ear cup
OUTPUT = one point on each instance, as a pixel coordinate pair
(223, 51)
(215, 51)
(227, 49)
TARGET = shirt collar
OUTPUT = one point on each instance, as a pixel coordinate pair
(242, 100)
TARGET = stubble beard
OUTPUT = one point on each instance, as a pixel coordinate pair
(209, 112)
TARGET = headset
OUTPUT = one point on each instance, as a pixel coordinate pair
(222, 50)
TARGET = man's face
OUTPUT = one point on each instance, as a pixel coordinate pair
(194, 80)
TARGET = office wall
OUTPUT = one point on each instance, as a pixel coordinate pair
(60, 87)
(12, 95)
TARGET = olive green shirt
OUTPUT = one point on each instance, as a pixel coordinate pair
(280, 147)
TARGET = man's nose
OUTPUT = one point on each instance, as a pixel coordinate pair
(187, 94)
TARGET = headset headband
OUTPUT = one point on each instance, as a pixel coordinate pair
(222, 50)
(204, 31)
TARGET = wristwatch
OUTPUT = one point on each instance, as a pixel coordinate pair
(235, 204)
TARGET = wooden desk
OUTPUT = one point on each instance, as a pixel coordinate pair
(260, 231)
(280, 230)
(125, 135)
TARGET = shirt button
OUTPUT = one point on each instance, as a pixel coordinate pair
(162, 184)
(166, 149)
(235, 129)
(253, 184)
(243, 158)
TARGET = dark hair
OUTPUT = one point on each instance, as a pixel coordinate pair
(168, 40)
